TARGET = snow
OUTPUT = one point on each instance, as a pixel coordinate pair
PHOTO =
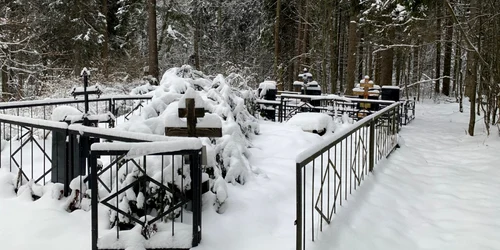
(310, 122)
(438, 191)
(210, 121)
(54, 101)
(85, 71)
(191, 93)
(146, 148)
(35, 122)
(161, 239)
(80, 90)
(389, 87)
(335, 136)
(266, 85)
(61, 112)
(136, 136)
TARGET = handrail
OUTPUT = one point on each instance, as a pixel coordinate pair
(58, 101)
(107, 134)
(340, 163)
(318, 149)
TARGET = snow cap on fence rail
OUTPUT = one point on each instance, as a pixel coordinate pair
(304, 155)
(37, 123)
(138, 149)
(106, 132)
(58, 101)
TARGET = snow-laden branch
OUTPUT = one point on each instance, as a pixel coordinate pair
(431, 80)
(386, 47)
(467, 39)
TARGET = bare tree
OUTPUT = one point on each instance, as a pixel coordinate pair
(152, 39)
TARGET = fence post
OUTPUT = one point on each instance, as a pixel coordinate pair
(371, 156)
(298, 221)
(195, 169)
(280, 110)
(94, 201)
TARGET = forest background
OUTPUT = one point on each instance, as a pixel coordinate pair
(428, 48)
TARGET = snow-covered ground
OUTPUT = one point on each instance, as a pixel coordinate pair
(438, 191)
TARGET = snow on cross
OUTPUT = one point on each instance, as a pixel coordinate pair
(191, 106)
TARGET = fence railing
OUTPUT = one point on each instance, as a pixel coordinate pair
(289, 104)
(42, 151)
(327, 173)
(161, 213)
(117, 105)
(60, 162)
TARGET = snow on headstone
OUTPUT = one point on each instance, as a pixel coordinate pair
(61, 112)
(312, 122)
(192, 94)
(210, 121)
(266, 85)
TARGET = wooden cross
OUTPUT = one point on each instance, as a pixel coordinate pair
(192, 113)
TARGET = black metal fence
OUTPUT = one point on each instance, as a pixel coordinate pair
(23, 136)
(26, 141)
(328, 173)
(40, 150)
(119, 105)
(167, 185)
(289, 104)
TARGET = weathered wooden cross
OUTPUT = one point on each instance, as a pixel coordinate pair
(192, 113)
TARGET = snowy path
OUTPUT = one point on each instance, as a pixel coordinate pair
(440, 190)
(261, 213)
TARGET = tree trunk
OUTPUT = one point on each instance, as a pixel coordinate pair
(305, 36)
(277, 65)
(386, 65)
(415, 76)
(334, 52)
(152, 39)
(399, 64)
(5, 86)
(105, 44)
(378, 67)
(298, 43)
(470, 81)
(438, 47)
(351, 56)
(341, 48)
(457, 65)
(196, 36)
(447, 57)
(361, 56)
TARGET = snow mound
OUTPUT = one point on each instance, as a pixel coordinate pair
(313, 122)
(61, 112)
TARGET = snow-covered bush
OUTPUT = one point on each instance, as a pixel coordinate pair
(78, 198)
(224, 97)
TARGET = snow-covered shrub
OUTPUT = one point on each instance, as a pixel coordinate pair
(78, 195)
(145, 197)
(225, 97)
(220, 191)
(30, 191)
